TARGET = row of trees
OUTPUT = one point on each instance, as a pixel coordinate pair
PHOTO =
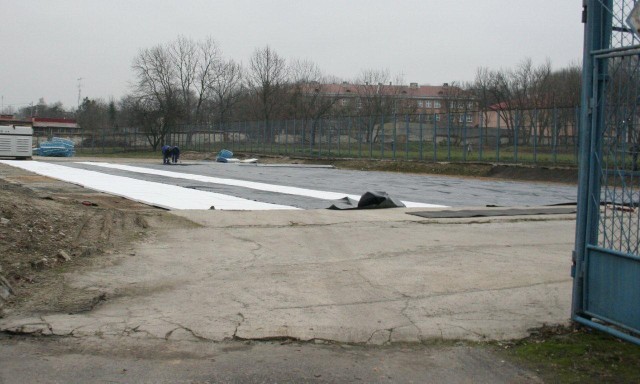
(535, 98)
(191, 82)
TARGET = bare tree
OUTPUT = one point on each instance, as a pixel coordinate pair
(184, 58)
(310, 95)
(210, 71)
(156, 93)
(143, 112)
(377, 96)
(226, 89)
(268, 79)
(197, 66)
(516, 96)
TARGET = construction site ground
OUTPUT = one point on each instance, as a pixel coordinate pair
(121, 291)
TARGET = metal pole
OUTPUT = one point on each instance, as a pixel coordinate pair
(596, 36)
(464, 136)
(535, 136)
(515, 134)
(382, 137)
(421, 136)
(448, 136)
(480, 126)
(320, 138)
(349, 136)
(498, 137)
(435, 137)
(406, 146)
(555, 136)
(339, 124)
(395, 128)
(371, 136)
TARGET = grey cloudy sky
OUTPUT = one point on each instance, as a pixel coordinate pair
(47, 45)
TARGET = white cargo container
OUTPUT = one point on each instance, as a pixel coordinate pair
(16, 141)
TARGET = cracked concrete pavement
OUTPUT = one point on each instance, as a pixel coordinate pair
(372, 277)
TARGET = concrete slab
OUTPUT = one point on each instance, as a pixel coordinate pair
(373, 277)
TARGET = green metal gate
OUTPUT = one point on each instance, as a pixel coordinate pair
(607, 260)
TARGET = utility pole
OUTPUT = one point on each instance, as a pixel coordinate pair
(79, 91)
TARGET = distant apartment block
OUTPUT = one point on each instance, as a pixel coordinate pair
(433, 102)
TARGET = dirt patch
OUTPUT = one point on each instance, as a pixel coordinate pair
(47, 232)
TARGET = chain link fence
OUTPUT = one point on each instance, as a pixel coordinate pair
(544, 136)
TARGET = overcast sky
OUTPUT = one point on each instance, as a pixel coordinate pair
(47, 45)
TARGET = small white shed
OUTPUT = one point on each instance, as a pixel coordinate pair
(16, 141)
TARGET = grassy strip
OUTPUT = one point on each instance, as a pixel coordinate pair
(575, 355)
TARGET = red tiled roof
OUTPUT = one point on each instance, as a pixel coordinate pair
(53, 120)
(423, 91)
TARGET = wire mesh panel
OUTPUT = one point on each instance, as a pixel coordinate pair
(620, 11)
(619, 227)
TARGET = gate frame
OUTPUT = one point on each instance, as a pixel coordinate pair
(597, 36)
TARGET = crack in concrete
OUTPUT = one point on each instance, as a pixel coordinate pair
(254, 251)
(403, 312)
(49, 326)
(380, 286)
(180, 326)
(312, 225)
(128, 330)
(480, 335)
(496, 220)
(422, 297)
(235, 332)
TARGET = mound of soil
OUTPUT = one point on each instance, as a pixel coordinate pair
(42, 236)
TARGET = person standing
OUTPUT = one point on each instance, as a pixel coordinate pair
(175, 154)
(166, 154)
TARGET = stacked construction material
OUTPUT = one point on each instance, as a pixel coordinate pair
(224, 156)
(57, 147)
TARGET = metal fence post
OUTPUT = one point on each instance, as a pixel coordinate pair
(328, 135)
(370, 134)
(320, 137)
(360, 140)
(421, 117)
(480, 126)
(555, 136)
(498, 136)
(435, 137)
(406, 144)
(271, 137)
(448, 136)
(535, 136)
(339, 123)
(575, 141)
(294, 136)
(382, 137)
(286, 136)
(515, 141)
(349, 136)
(464, 136)
(395, 128)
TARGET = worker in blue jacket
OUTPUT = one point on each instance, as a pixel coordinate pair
(166, 154)
(175, 154)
